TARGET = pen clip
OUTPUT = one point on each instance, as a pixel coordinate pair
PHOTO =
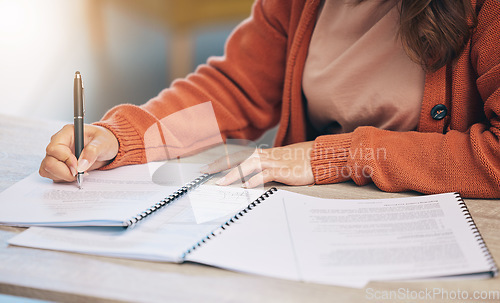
(83, 98)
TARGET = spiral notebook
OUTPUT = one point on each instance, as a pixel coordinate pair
(292, 236)
(119, 197)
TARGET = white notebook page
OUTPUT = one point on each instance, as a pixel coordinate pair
(107, 197)
(348, 242)
(417, 237)
(163, 236)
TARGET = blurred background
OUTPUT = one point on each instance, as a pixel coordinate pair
(126, 50)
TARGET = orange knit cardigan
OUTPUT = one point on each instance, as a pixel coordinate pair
(257, 84)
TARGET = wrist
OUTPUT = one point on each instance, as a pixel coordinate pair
(329, 158)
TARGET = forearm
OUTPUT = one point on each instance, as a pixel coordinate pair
(244, 86)
(425, 162)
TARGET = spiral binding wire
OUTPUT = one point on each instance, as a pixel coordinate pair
(181, 191)
(477, 235)
(232, 220)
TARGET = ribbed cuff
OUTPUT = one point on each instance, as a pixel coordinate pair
(131, 146)
(329, 158)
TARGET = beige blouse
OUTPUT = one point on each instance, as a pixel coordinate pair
(357, 72)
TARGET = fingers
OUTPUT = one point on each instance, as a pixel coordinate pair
(62, 153)
(247, 167)
(267, 175)
(291, 176)
(89, 155)
(101, 146)
(289, 165)
(226, 162)
(60, 163)
(56, 170)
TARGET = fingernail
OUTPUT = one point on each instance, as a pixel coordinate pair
(83, 165)
(73, 171)
(221, 181)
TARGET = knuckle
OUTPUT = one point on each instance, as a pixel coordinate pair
(42, 172)
(54, 136)
(49, 165)
(268, 173)
(91, 150)
(67, 127)
(221, 162)
(51, 149)
(232, 173)
(275, 172)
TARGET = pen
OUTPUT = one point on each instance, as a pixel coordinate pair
(79, 112)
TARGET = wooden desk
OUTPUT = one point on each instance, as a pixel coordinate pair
(69, 277)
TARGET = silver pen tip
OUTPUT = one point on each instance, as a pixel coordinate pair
(79, 180)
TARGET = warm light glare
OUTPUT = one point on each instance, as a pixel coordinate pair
(35, 39)
(11, 21)
(23, 25)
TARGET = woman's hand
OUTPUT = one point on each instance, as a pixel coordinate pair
(60, 163)
(289, 164)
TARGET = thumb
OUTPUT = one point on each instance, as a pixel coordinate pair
(89, 155)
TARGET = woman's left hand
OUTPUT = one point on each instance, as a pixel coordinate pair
(289, 164)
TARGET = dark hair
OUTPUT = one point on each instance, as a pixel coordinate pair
(434, 32)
